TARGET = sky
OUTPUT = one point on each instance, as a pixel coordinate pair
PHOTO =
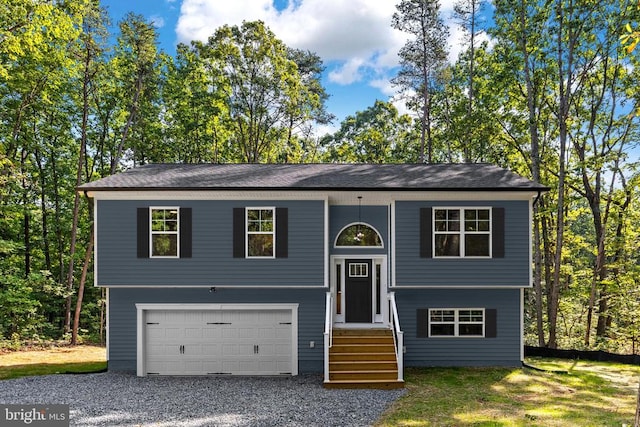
(354, 38)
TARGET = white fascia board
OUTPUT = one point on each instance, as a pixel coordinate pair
(207, 195)
(369, 197)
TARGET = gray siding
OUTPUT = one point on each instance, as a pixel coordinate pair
(341, 216)
(212, 262)
(512, 270)
(504, 350)
(122, 317)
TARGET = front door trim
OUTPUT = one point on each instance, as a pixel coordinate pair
(378, 267)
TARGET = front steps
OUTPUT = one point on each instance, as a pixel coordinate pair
(363, 358)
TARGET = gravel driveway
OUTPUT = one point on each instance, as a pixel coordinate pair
(118, 399)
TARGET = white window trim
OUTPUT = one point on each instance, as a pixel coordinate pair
(246, 231)
(457, 323)
(335, 241)
(151, 232)
(462, 232)
(359, 269)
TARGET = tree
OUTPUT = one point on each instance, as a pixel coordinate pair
(376, 135)
(421, 61)
(467, 12)
(264, 89)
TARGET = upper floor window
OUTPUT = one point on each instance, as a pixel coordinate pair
(462, 232)
(260, 232)
(164, 231)
(358, 234)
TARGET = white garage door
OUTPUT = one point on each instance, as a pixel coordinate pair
(218, 342)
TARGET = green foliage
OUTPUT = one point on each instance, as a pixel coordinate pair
(377, 135)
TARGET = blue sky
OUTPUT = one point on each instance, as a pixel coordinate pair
(353, 37)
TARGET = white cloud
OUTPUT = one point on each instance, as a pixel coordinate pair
(354, 38)
(357, 34)
(157, 21)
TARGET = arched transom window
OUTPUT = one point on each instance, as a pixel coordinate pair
(359, 234)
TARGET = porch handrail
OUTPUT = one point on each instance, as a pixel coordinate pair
(328, 333)
(398, 335)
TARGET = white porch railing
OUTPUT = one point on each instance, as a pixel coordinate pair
(398, 335)
(328, 333)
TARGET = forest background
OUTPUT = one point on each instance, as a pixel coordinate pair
(553, 97)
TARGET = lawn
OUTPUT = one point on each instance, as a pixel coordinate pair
(578, 393)
(57, 360)
(567, 394)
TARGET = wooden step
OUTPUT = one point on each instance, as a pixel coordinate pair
(363, 339)
(359, 348)
(362, 365)
(378, 375)
(382, 356)
(361, 332)
(363, 358)
(350, 384)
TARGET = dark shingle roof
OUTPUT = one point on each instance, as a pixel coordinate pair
(326, 176)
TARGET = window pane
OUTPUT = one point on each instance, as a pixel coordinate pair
(164, 245)
(442, 330)
(469, 330)
(260, 220)
(470, 214)
(260, 245)
(483, 214)
(483, 225)
(442, 315)
(266, 220)
(171, 225)
(453, 220)
(359, 235)
(476, 244)
(447, 245)
(470, 315)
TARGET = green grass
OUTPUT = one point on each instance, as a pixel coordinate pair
(7, 373)
(588, 394)
(58, 360)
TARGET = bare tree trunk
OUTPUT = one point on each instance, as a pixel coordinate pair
(83, 278)
(535, 172)
(76, 198)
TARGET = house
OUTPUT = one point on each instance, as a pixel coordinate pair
(353, 270)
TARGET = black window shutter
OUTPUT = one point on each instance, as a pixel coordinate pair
(238, 232)
(425, 233)
(497, 232)
(422, 323)
(185, 232)
(143, 233)
(282, 232)
(490, 323)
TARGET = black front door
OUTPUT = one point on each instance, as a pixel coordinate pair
(358, 294)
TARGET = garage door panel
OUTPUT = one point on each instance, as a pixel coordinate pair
(209, 333)
(201, 342)
(194, 332)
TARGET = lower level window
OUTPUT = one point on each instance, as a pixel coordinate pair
(456, 322)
